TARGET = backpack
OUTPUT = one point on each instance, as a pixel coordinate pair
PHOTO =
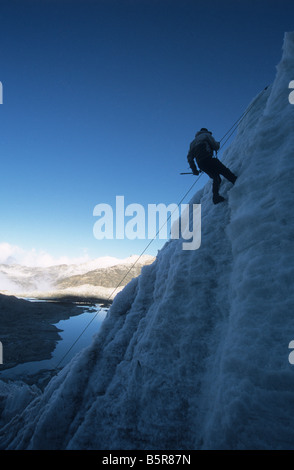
(200, 152)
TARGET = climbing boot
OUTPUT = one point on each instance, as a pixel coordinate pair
(217, 198)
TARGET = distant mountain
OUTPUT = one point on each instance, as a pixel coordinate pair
(193, 353)
(105, 277)
(94, 280)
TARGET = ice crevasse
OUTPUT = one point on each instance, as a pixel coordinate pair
(193, 353)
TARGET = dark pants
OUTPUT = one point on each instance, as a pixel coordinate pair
(214, 168)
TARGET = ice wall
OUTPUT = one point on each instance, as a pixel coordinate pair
(194, 353)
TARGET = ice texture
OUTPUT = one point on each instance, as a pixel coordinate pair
(193, 353)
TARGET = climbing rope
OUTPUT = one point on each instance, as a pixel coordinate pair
(230, 132)
(129, 270)
(234, 127)
(236, 124)
(124, 277)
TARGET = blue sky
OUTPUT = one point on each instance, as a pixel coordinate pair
(102, 98)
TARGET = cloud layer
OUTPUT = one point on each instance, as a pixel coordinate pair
(13, 254)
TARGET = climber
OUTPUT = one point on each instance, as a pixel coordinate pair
(201, 149)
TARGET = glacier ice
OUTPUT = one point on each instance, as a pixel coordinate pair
(193, 353)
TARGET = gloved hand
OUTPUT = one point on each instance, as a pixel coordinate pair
(195, 172)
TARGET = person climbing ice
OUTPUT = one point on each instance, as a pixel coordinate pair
(201, 149)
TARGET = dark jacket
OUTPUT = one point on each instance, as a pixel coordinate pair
(202, 147)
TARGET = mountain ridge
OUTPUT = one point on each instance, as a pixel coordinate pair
(73, 281)
(193, 353)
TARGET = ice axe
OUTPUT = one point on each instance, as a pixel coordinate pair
(190, 173)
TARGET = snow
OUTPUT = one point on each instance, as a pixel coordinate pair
(42, 282)
(193, 354)
(14, 397)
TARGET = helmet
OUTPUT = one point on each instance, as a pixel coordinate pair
(203, 129)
